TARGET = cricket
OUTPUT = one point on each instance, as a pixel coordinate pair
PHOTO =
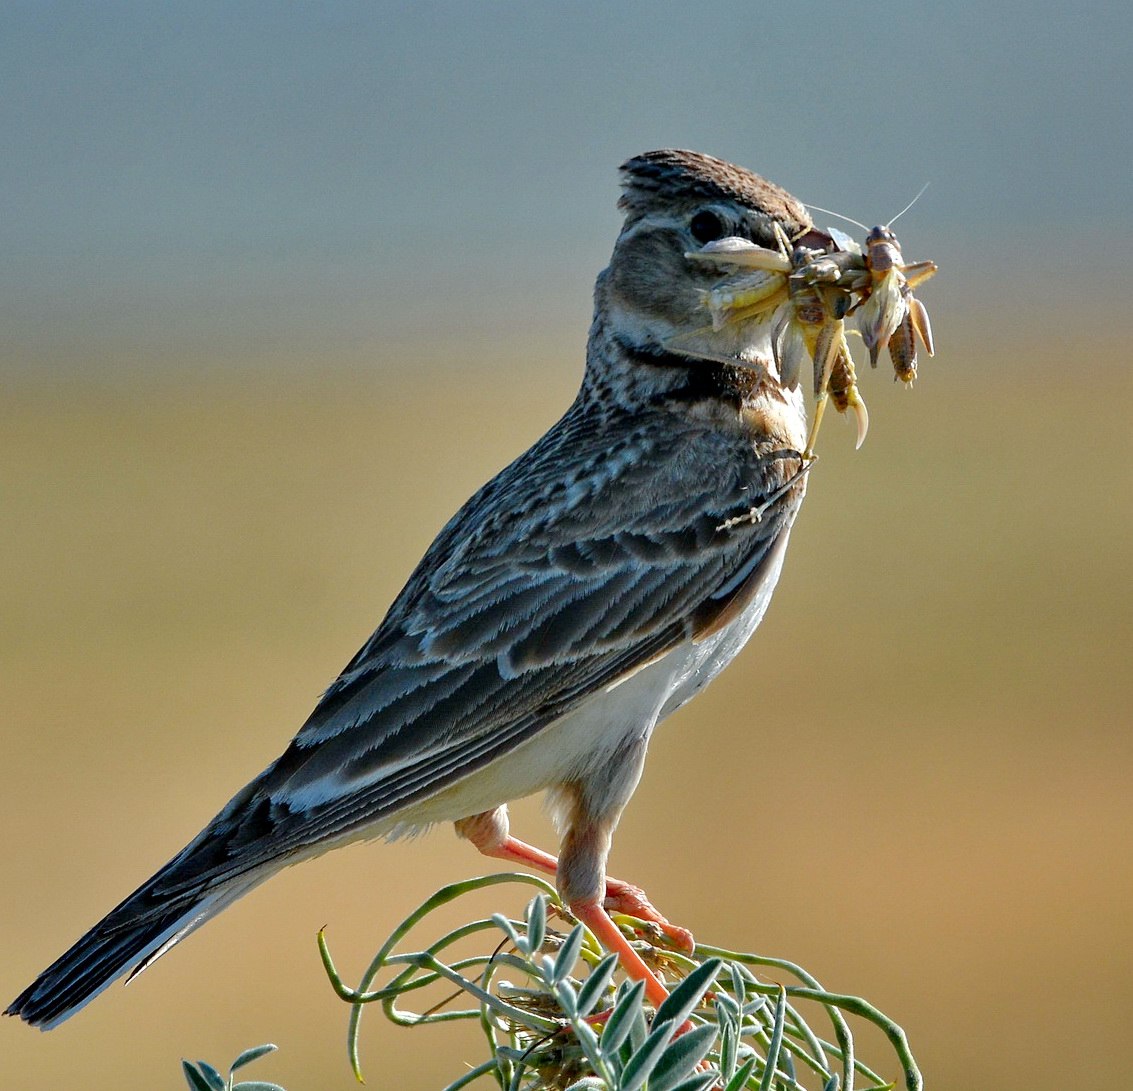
(809, 287)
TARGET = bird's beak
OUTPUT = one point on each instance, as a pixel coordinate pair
(741, 253)
(754, 280)
(738, 252)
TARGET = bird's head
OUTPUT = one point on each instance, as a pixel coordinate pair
(652, 295)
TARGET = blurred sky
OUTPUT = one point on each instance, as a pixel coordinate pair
(232, 184)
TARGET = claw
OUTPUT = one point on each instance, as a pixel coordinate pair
(861, 415)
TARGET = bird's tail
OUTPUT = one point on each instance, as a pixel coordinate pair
(160, 913)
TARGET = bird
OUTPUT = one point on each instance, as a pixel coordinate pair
(580, 597)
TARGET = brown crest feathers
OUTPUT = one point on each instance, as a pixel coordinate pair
(672, 174)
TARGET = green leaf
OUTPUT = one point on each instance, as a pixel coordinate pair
(638, 1032)
(505, 926)
(568, 955)
(771, 1061)
(595, 986)
(725, 1002)
(536, 923)
(683, 1054)
(640, 1066)
(739, 1080)
(685, 997)
(256, 1085)
(587, 1038)
(212, 1077)
(567, 998)
(196, 1081)
(620, 1023)
(739, 984)
(728, 1021)
(250, 1055)
(701, 1082)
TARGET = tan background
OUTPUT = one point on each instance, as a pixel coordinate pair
(281, 286)
(923, 799)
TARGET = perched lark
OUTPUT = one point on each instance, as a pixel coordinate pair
(586, 592)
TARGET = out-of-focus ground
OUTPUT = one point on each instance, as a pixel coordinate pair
(914, 782)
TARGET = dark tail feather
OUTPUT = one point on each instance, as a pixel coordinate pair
(132, 935)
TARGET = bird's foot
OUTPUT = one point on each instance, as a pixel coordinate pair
(630, 900)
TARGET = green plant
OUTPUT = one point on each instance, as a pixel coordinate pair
(571, 1022)
(203, 1077)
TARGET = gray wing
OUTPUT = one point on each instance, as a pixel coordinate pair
(593, 554)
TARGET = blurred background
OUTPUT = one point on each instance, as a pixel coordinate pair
(282, 284)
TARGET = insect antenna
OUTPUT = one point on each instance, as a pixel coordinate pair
(848, 219)
(908, 206)
(858, 223)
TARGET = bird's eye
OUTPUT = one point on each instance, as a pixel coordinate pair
(706, 227)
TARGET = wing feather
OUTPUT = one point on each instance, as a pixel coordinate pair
(549, 585)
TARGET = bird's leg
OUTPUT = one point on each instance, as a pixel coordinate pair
(580, 869)
(610, 936)
(590, 811)
(489, 834)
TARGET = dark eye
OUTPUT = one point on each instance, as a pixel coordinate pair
(706, 227)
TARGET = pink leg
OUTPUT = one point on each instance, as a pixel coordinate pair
(488, 833)
(610, 936)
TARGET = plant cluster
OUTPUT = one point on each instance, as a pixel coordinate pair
(558, 1015)
(201, 1075)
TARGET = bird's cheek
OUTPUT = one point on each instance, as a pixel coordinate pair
(652, 279)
